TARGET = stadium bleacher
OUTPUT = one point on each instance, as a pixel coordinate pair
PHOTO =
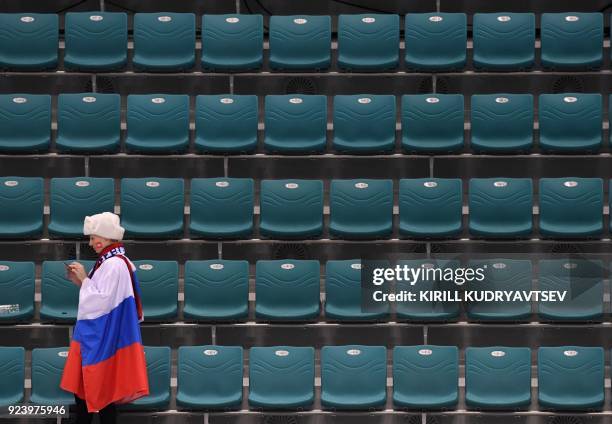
(258, 151)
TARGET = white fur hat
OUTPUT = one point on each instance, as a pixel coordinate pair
(105, 225)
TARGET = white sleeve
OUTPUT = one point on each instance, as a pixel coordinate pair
(109, 286)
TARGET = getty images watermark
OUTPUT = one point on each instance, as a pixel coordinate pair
(434, 282)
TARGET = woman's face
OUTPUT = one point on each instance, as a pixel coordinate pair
(98, 243)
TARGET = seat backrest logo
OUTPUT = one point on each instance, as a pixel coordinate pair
(436, 19)
(222, 184)
(572, 18)
(353, 352)
(226, 101)
(216, 266)
(502, 100)
(20, 100)
(96, 18)
(281, 353)
(356, 266)
(570, 353)
(63, 354)
(287, 266)
(158, 100)
(498, 354)
(499, 265)
(11, 183)
(368, 20)
(570, 265)
(570, 99)
(232, 20)
(291, 186)
(504, 18)
(500, 184)
(432, 100)
(570, 184)
(27, 19)
(164, 19)
(364, 100)
(152, 184)
(296, 100)
(211, 352)
(425, 352)
(89, 99)
(299, 21)
(4, 267)
(361, 185)
(82, 184)
(430, 184)
(146, 267)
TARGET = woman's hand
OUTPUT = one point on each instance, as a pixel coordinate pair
(76, 273)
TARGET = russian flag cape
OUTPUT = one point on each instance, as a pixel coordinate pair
(106, 362)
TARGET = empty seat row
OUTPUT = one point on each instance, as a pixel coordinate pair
(217, 290)
(352, 377)
(222, 208)
(431, 123)
(433, 41)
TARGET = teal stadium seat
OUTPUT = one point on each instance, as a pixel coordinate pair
(364, 123)
(583, 280)
(72, 199)
(432, 123)
(571, 207)
(281, 377)
(430, 208)
(504, 41)
(502, 123)
(361, 208)
(570, 122)
(88, 123)
(22, 200)
(59, 296)
(47, 367)
(96, 41)
(152, 207)
(159, 287)
(221, 207)
(572, 40)
(436, 41)
(209, 377)
(216, 289)
(343, 293)
(498, 378)
(514, 275)
(300, 42)
(295, 123)
(28, 41)
(159, 368)
(428, 310)
(12, 374)
(226, 123)
(610, 197)
(157, 123)
(232, 42)
(17, 282)
(25, 123)
(610, 117)
(425, 377)
(368, 42)
(287, 289)
(353, 377)
(164, 41)
(501, 207)
(291, 208)
(571, 378)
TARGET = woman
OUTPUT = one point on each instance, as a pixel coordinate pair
(106, 364)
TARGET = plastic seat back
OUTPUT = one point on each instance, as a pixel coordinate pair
(59, 296)
(300, 42)
(17, 282)
(47, 367)
(12, 373)
(159, 287)
(22, 200)
(28, 41)
(25, 122)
